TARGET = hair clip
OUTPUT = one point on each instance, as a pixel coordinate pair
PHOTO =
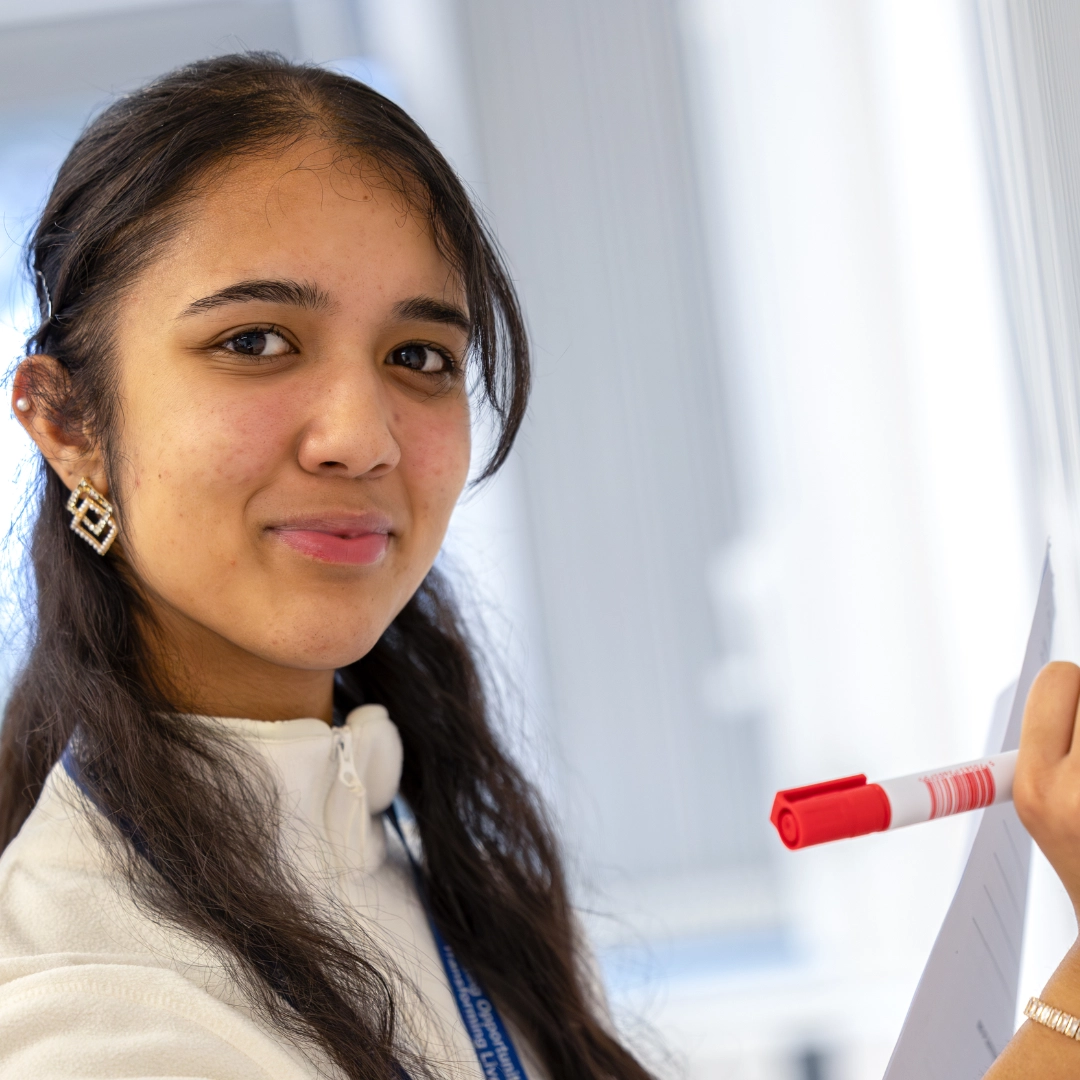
(48, 298)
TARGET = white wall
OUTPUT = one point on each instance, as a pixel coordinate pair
(891, 553)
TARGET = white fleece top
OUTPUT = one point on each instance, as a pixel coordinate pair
(92, 989)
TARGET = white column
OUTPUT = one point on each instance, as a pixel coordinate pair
(628, 486)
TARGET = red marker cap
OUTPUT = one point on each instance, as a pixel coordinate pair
(835, 810)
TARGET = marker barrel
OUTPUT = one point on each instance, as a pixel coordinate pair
(839, 809)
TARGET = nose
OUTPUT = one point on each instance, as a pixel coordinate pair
(350, 431)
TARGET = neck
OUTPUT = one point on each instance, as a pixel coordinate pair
(207, 674)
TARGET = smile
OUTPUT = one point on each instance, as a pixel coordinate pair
(356, 540)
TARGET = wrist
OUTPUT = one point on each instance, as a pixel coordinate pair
(1062, 991)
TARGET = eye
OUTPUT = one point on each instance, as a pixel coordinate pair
(425, 358)
(260, 342)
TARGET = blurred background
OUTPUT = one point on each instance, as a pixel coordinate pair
(802, 281)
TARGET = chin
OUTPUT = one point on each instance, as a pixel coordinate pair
(317, 629)
(317, 652)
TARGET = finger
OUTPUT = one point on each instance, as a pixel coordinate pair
(1050, 715)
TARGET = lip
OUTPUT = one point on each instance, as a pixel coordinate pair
(348, 539)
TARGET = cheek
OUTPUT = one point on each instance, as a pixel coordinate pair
(435, 464)
(189, 471)
(221, 444)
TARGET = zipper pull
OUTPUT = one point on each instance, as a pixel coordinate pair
(347, 773)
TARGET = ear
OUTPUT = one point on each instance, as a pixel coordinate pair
(68, 447)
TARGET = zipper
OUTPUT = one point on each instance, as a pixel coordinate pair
(347, 774)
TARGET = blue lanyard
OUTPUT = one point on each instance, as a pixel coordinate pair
(494, 1048)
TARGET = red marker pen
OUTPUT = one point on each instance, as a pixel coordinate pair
(838, 809)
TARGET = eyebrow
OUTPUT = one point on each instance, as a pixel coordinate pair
(428, 309)
(303, 294)
(300, 294)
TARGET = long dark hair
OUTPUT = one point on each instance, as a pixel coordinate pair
(207, 857)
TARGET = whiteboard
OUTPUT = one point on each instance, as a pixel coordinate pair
(964, 1009)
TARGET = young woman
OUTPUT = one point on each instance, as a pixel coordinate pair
(266, 302)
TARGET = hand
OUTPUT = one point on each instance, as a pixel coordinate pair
(1046, 790)
(1047, 795)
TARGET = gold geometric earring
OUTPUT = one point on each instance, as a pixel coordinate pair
(86, 500)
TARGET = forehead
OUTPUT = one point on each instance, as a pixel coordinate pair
(310, 213)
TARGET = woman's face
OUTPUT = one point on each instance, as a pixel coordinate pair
(294, 426)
